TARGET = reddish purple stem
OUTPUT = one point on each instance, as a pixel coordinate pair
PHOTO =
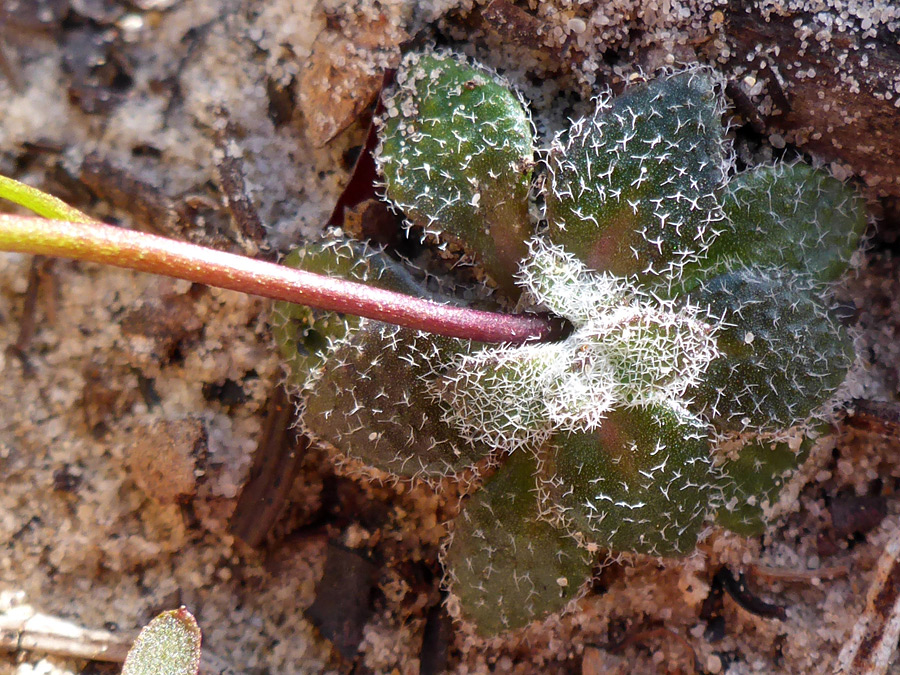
(100, 243)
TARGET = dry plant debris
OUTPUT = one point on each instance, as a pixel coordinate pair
(344, 72)
(872, 647)
(106, 553)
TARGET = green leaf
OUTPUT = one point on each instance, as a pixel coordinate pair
(783, 354)
(498, 396)
(634, 188)
(302, 333)
(367, 385)
(653, 353)
(754, 479)
(456, 153)
(643, 482)
(41, 203)
(507, 566)
(789, 216)
(373, 402)
(168, 645)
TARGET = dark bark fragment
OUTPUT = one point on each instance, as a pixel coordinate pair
(832, 93)
(737, 588)
(343, 601)
(276, 464)
(230, 171)
(436, 640)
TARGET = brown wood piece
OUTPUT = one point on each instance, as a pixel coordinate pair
(276, 463)
(230, 170)
(880, 417)
(838, 98)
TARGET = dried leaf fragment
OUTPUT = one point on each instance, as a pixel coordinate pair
(344, 73)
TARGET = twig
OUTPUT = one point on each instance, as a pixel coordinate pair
(29, 312)
(800, 576)
(745, 106)
(741, 594)
(882, 417)
(276, 463)
(148, 207)
(29, 631)
(872, 645)
(105, 244)
(230, 170)
(776, 91)
(10, 72)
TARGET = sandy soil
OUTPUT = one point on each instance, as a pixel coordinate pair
(127, 432)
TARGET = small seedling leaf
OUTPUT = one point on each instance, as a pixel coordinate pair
(168, 645)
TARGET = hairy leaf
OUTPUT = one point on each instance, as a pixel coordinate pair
(790, 216)
(506, 565)
(643, 482)
(783, 354)
(456, 155)
(634, 188)
(168, 645)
